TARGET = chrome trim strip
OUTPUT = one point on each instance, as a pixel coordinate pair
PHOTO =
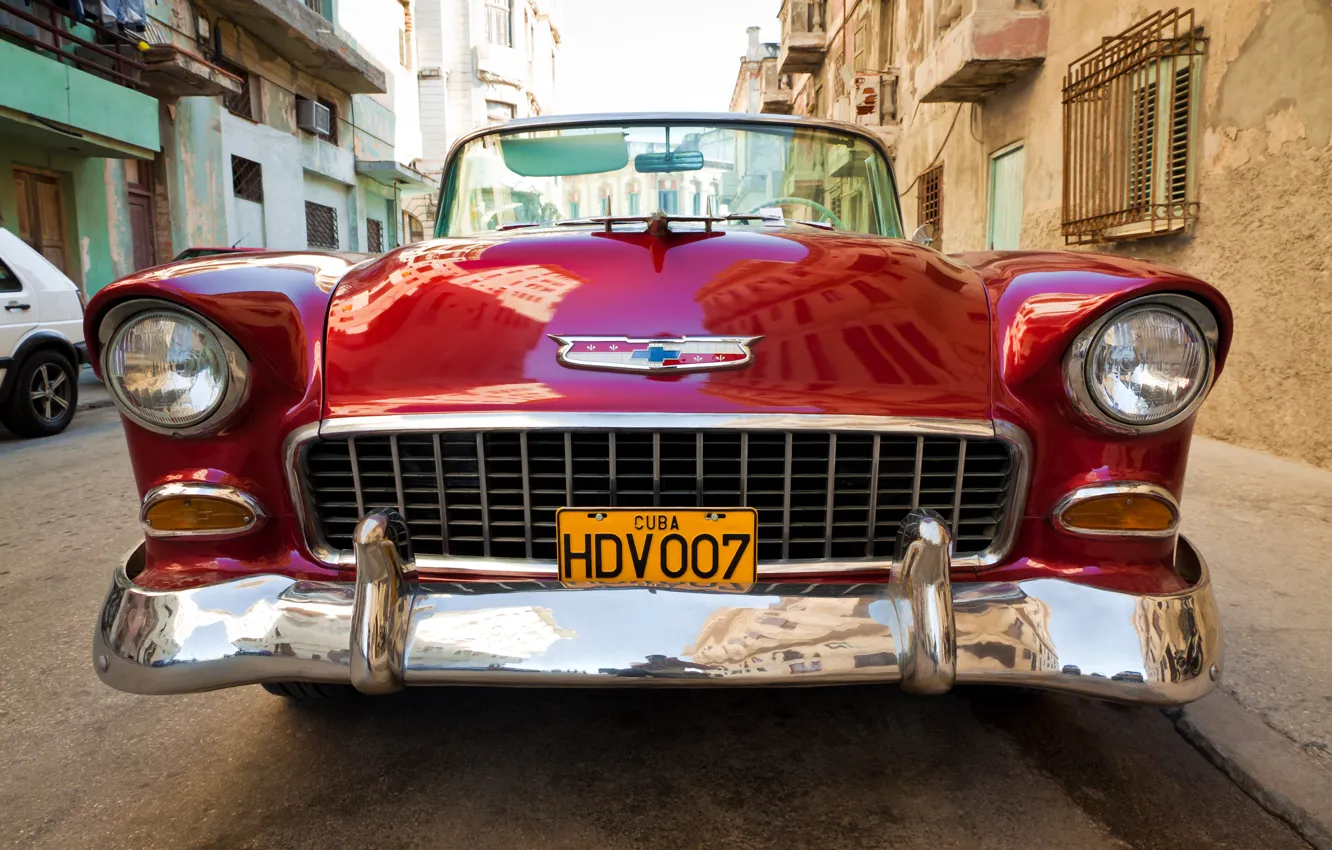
(513, 420)
(483, 486)
(527, 493)
(610, 480)
(356, 475)
(443, 499)
(1112, 488)
(832, 497)
(1075, 362)
(505, 420)
(387, 630)
(238, 367)
(786, 499)
(225, 492)
(872, 527)
(915, 476)
(957, 485)
(565, 357)
(397, 475)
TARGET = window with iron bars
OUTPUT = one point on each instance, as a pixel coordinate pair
(247, 179)
(929, 201)
(1129, 116)
(374, 236)
(499, 22)
(241, 103)
(321, 226)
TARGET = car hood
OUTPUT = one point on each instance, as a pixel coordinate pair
(849, 324)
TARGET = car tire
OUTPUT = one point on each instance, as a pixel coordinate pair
(44, 371)
(309, 691)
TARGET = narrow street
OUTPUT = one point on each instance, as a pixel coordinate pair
(86, 766)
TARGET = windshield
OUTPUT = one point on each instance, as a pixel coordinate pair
(809, 174)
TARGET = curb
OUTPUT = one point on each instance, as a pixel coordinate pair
(1262, 762)
(93, 405)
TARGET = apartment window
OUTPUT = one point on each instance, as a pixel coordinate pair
(573, 209)
(1129, 113)
(321, 7)
(860, 60)
(374, 236)
(633, 202)
(668, 200)
(929, 201)
(321, 226)
(243, 102)
(499, 22)
(247, 179)
(497, 111)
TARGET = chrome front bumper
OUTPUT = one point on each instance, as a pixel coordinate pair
(386, 631)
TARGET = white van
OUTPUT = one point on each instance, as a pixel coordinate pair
(41, 341)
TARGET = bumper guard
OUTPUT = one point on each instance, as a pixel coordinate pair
(387, 631)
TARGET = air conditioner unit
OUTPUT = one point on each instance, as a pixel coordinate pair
(313, 117)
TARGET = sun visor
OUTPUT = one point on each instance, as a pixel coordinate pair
(565, 156)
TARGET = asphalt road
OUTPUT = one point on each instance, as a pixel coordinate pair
(84, 766)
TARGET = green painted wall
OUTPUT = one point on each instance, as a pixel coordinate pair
(37, 85)
(97, 233)
(196, 179)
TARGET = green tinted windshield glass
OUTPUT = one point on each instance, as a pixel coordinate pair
(508, 179)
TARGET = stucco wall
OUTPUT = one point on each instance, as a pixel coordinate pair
(1263, 160)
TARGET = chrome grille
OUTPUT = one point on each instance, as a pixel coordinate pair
(820, 495)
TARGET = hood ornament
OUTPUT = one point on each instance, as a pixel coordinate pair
(654, 354)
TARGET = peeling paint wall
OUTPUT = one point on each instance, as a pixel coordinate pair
(1263, 160)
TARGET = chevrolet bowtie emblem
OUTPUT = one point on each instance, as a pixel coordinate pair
(631, 354)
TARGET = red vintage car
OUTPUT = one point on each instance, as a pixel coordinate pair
(732, 429)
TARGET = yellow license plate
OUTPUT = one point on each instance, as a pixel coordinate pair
(703, 547)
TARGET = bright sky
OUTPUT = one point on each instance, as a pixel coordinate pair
(655, 55)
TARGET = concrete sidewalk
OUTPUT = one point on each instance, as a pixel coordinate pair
(92, 394)
(1264, 525)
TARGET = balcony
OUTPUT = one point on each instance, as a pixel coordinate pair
(68, 86)
(804, 36)
(776, 94)
(307, 40)
(983, 49)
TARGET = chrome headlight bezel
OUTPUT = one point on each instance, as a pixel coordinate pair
(1076, 362)
(237, 366)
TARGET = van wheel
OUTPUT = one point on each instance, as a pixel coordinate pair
(304, 691)
(46, 391)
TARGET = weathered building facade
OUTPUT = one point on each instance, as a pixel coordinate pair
(481, 62)
(1197, 136)
(260, 123)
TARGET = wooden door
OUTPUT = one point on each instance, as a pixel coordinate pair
(139, 188)
(42, 215)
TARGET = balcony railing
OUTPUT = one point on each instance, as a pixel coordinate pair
(45, 28)
(804, 35)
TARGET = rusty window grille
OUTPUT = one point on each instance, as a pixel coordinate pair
(247, 179)
(499, 22)
(241, 103)
(1129, 113)
(321, 226)
(374, 236)
(929, 201)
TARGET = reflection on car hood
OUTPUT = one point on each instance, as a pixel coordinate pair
(849, 324)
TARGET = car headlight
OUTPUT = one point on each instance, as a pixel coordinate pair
(172, 371)
(1146, 366)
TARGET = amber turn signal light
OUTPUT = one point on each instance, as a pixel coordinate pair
(197, 515)
(1139, 510)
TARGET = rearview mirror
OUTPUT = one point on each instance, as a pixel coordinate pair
(661, 163)
(924, 234)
